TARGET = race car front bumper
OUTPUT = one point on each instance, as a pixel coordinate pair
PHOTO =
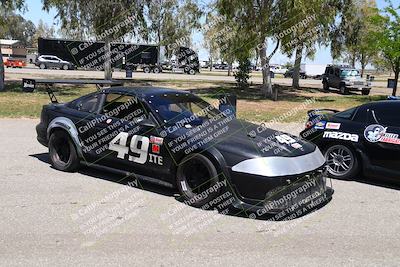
(300, 191)
(272, 184)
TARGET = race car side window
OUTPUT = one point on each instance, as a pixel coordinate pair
(386, 115)
(347, 114)
(124, 107)
(361, 115)
(86, 104)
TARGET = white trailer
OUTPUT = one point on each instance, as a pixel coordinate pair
(313, 70)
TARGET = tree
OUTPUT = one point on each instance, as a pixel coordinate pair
(5, 7)
(221, 40)
(256, 24)
(106, 20)
(387, 39)
(210, 31)
(171, 22)
(352, 33)
(307, 25)
(43, 31)
(18, 28)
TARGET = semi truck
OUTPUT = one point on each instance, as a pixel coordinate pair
(314, 71)
(92, 55)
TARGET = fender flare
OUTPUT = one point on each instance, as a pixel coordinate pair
(68, 126)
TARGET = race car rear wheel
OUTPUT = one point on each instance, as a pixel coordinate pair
(341, 161)
(65, 67)
(42, 66)
(195, 179)
(62, 151)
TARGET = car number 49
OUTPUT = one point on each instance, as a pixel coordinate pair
(139, 145)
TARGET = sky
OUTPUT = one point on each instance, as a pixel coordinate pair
(35, 13)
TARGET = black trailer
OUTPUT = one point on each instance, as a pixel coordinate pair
(91, 55)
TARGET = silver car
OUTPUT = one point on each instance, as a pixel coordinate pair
(50, 62)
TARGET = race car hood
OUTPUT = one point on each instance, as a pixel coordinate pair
(239, 141)
(246, 140)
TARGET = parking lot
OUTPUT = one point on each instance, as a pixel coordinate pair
(378, 87)
(47, 216)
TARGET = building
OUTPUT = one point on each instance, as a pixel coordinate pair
(12, 48)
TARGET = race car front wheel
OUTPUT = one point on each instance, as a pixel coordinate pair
(341, 161)
(197, 180)
(62, 151)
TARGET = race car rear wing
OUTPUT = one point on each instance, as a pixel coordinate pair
(29, 85)
(320, 112)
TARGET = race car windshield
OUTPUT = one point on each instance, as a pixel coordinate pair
(184, 109)
(350, 73)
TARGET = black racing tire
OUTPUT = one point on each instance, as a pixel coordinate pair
(42, 66)
(342, 162)
(195, 175)
(343, 90)
(365, 92)
(62, 152)
(325, 86)
(192, 72)
(146, 69)
(157, 70)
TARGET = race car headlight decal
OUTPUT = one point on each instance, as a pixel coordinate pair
(281, 166)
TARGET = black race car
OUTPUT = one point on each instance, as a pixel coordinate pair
(176, 139)
(364, 138)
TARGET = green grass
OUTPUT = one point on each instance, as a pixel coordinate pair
(252, 106)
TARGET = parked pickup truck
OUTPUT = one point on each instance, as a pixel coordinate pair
(345, 79)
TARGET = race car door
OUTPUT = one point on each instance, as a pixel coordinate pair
(382, 140)
(134, 145)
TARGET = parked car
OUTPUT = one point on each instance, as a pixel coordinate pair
(221, 66)
(278, 69)
(363, 139)
(345, 79)
(289, 74)
(50, 62)
(176, 139)
(14, 63)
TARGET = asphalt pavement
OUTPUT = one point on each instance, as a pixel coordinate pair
(91, 218)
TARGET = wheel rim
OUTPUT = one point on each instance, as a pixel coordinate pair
(42, 66)
(65, 67)
(339, 160)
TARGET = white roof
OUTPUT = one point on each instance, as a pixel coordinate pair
(8, 42)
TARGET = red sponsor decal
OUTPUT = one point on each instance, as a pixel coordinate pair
(155, 148)
(156, 140)
(390, 140)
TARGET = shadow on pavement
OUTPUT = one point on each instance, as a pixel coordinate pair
(150, 187)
